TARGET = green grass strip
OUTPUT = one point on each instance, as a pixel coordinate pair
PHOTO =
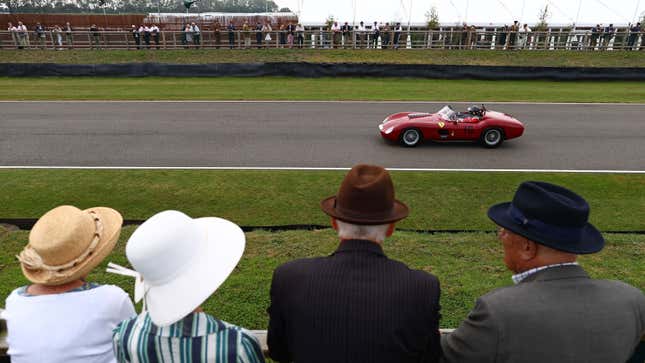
(467, 264)
(292, 89)
(437, 200)
(452, 57)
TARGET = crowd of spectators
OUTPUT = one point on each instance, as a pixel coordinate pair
(354, 305)
(377, 35)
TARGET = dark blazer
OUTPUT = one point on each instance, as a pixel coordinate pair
(555, 315)
(355, 305)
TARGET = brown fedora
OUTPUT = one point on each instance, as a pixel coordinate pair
(366, 196)
(67, 243)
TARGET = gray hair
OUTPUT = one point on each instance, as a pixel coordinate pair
(375, 233)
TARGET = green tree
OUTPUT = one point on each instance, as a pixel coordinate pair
(432, 18)
(543, 18)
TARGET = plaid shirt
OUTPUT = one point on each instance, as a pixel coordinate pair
(196, 338)
(521, 276)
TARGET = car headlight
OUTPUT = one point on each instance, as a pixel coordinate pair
(385, 120)
(389, 130)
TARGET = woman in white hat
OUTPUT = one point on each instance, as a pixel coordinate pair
(61, 317)
(179, 263)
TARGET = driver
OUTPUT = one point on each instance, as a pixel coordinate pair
(475, 111)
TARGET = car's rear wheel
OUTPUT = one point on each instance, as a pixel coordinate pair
(410, 137)
(492, 138)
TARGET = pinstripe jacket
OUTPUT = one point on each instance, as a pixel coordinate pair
(355, 306)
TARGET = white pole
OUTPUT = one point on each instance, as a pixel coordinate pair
(638, 5)
(466, 14)
(522, 14)
(409, 16)
(354, 13)
(578, 13)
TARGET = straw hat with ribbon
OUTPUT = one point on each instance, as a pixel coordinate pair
(179, 262)
(66, 243)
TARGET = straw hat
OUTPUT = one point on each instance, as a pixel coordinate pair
(66, 243)
(182, 261)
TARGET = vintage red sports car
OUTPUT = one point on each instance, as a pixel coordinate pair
(490, 128)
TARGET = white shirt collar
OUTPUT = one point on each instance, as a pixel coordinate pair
(517, 278)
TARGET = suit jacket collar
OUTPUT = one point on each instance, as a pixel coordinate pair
(558, 273)
(359, 245)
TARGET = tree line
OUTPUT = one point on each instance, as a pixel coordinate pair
(140, 6)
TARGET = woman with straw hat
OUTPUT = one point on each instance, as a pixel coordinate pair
(60, 317)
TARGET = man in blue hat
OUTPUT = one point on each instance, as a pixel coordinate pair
(555, 312)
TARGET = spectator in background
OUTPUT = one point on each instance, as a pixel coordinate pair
(282, 35)
(633, 35)
(146, 36)
(335, 34)
(376, 34)
(40, 35)
(464, 36)
(57, 34)
(501, 40)
(96, 36)
(386, 35)
(231, 35)
(523, 35)
(12, 32)
(346, 32)
(258, 34)
(595, 36)
(154, 29)
(22, 35)
(136, 36)
(266, 30)
(360, 35)
(607, 35)
(300, 30)
(397, 35)
(246, 30)
(179, 263)
(355, 305)
(555, 312)
(291, 30)
(69, 35)
(216, 33)
(188, 36)
(197, 34)
(512, 39)
(61, 316)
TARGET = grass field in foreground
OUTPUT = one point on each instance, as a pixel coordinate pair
(417, 56)
(467, 264)
(437, 200)
(293, 89)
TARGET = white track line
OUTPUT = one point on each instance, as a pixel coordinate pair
(348, 102)
(9, 167)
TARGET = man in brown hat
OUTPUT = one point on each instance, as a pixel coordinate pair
(355, 305)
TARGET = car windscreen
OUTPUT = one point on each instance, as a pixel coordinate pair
(447, 113)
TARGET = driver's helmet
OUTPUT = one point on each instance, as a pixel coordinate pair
(475, 111)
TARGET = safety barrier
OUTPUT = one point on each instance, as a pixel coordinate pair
(481, 39)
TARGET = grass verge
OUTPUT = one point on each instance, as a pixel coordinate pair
(452, 57)
(293, 89)
(467, 264)
(437, 200)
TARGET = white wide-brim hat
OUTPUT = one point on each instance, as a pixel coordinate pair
(182, 261)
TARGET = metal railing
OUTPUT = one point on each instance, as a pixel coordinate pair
(430, 39)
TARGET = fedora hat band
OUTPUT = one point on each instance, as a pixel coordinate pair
(558, 232)
(30, 258)
(361, 214)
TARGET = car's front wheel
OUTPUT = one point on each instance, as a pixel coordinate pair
(410, 137)
(492, 138)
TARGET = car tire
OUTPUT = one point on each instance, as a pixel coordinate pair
(492, 138)
(411, 137)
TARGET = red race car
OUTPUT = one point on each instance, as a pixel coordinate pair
(490, 128)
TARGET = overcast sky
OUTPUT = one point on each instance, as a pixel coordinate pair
(471, 11)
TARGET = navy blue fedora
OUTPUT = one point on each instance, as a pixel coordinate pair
(550, 215)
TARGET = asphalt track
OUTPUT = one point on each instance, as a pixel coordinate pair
(306, 134)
